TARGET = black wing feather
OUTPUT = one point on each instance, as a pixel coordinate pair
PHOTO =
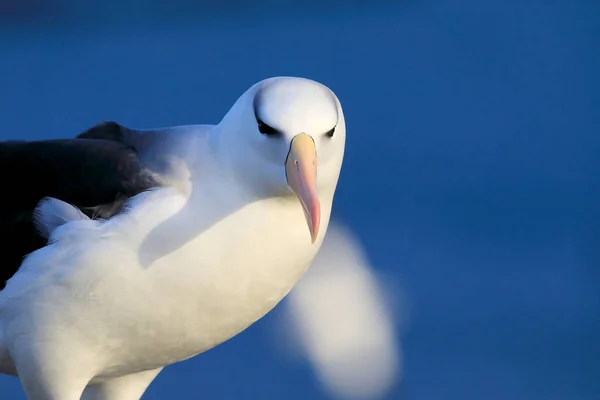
(97, 172)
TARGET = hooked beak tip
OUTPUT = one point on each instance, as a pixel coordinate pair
(301, 171)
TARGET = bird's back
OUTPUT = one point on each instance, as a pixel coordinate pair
(97, 172)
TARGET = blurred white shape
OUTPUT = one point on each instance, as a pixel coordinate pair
(342, 321)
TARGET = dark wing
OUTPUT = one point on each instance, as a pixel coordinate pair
(97, 172)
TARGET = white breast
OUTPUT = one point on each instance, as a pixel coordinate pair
(173, 277)
(142, 313)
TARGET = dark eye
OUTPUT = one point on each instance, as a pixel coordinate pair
(330, 132)
(266, 129)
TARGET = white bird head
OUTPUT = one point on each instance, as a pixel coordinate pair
(286, 137)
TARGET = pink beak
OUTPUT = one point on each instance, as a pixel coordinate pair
(301, 172)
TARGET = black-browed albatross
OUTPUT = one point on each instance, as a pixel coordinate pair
(151, 246)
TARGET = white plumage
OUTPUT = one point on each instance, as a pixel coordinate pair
(107, 304)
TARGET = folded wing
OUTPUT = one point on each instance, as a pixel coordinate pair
(96, 172)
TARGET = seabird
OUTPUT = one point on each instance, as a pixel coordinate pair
(142, 248)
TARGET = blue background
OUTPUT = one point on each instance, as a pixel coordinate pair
(472, 172)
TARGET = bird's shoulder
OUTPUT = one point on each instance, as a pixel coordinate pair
(97, 171)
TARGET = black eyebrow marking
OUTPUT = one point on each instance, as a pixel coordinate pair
(330, 132)
(262, 126)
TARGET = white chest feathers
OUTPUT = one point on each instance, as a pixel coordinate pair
(159, 289)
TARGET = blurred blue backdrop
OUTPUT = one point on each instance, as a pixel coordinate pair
(472, 172)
